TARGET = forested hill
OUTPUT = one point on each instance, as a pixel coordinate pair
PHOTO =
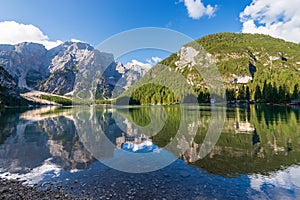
(274, 59)
(252, 66)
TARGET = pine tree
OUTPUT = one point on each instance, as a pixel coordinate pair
(274, 95)
(241, 94)
(287, 94)
(296, 94)
(247, 95)
(264, 91)
(267, 92)
(257, 95)
(230, 94)
(281, 94)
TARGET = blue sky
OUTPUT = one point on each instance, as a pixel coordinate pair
(93, 21)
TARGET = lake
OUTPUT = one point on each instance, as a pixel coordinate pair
(162, 152)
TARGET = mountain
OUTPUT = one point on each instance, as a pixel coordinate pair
(54, 70)
(71, 58)
(66, 68)
(7, 82)
(25, 62)
(131, 73)
(9, 91)
(251, 67)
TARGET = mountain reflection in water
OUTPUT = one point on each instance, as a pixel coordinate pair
(258, 145)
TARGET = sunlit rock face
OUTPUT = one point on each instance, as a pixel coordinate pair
(241, 79)
(72, 58)
(186, 58)
(130, 74)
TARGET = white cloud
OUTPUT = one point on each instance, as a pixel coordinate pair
(156, 59)
(75, 40)
(138, 63)
(278, 18)
(12, 32)
(196, 9)
(286, 179)
(153, 60)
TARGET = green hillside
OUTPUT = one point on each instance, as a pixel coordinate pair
(272, 66)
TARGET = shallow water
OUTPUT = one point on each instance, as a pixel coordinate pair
(172, 152)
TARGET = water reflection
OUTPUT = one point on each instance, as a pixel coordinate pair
(40, 141)
(132, 130)
(271, 144)
(242, 124)
(261, 143)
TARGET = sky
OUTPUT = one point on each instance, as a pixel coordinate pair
(51, 22)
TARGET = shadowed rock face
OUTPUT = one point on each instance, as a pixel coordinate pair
(7, 82)
(9, 91)
(252, 69)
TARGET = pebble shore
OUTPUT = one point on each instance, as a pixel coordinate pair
(14, 189)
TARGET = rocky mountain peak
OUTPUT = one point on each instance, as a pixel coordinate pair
(68, 55)
(67, 59)
(71, 47)
(34, 67)
(131, 73)
(30, 48)
(134, 65)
